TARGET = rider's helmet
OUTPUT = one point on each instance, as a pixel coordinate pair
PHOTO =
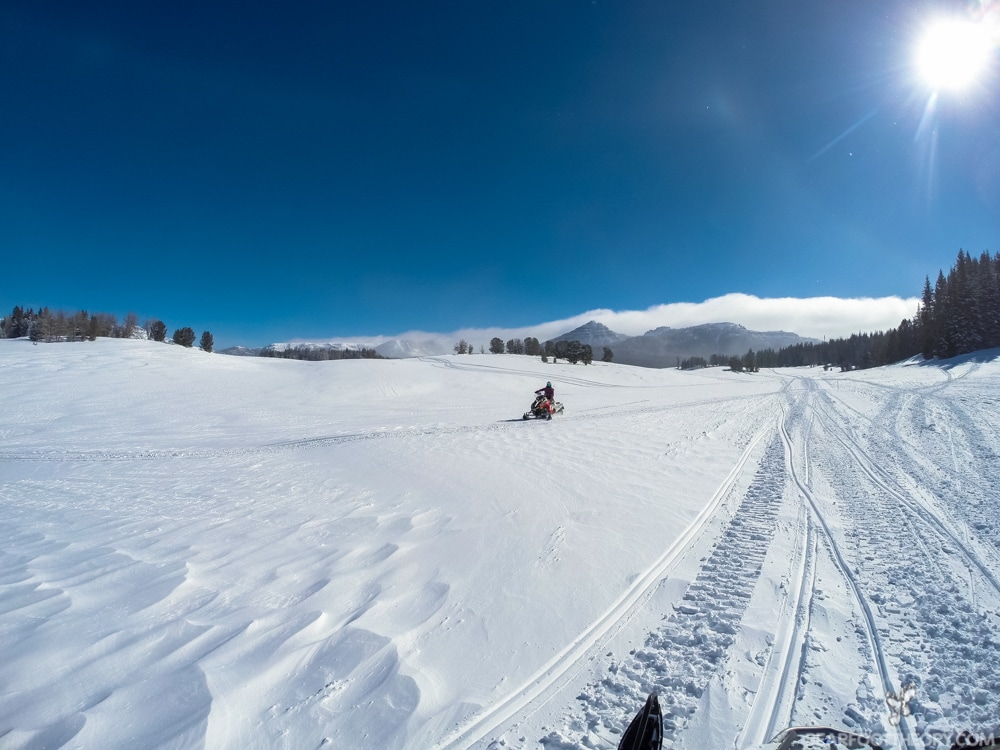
(549, 384)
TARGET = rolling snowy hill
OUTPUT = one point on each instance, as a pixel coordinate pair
(239, 552)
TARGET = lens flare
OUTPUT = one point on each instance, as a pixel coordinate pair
(954, 53)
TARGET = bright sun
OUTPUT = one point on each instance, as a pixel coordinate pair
(953, 54)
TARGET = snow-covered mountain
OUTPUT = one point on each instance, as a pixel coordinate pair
(402, 348)
(240, 351)
(226, 552)
(596, 334)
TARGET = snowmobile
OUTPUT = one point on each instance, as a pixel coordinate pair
(539, 408)
(645, 732)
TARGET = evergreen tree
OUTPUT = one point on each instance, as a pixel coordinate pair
(573, 351)
(207, 341)
(926, 316)
(942, 315)
(965, 334)
(496, 345)
(13, 325)
(608, 355)
(184, 337)
(693, 363)
(158, 330)
(988, 282)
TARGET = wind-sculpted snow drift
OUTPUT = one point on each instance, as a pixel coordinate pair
(206, 551)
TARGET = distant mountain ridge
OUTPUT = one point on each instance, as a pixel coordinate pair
(660, 347)
(665, 347)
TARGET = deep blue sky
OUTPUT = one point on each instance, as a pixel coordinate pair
(269, 171)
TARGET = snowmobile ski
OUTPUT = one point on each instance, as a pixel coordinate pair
(646, 730)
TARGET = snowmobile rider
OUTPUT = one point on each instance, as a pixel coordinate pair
(550, 395)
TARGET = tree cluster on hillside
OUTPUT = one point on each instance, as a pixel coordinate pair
(48, 325)
(320, 354)
(696, 363)
(571, 351)
(45, 325)
(530, 346)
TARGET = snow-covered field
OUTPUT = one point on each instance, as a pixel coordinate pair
(221, 552)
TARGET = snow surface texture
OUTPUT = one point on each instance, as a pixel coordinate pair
(222, 552)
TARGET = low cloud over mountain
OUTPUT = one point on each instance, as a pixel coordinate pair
(812, 318)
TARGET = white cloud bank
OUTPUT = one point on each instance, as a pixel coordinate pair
(812, 317)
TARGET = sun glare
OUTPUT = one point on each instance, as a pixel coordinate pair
(953, 54)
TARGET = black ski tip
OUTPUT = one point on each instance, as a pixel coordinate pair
(646, 730)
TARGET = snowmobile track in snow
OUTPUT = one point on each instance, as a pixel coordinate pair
(681, 657)
(530, 696)
(912, 508)
(871, 626)
(896, 549)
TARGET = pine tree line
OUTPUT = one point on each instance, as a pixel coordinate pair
(858, 351)
(960, 314)
(48, 326)
(716, 360)
(319, 354)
